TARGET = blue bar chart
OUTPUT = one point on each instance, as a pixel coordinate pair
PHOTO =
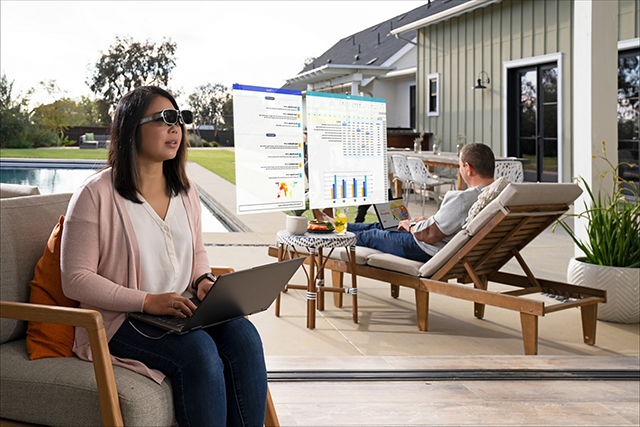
(351, 186)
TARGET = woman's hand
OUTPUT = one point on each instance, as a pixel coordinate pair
(203, 288)
(171, 303)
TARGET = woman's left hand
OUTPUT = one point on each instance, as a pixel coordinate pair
(203, 288)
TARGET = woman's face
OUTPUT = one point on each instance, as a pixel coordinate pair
(158, 142)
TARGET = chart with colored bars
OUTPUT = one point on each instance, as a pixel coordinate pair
(347, 147)
(352, 185)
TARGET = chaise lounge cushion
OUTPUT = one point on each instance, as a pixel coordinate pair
(48, 339)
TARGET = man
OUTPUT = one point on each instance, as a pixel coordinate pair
(421, 238)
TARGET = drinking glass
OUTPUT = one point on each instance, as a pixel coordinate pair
(340, 220)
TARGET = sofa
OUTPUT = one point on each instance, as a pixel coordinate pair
(89, 140)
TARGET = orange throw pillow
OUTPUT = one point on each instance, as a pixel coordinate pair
(48, 339)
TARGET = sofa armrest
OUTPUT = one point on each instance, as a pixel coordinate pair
(91, 320)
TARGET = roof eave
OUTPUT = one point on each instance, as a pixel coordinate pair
(444, 15)
(329, 71)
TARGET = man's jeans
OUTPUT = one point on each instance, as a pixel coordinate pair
(218, 374)
(400, 243)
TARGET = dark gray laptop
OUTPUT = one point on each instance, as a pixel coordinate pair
(234, 295)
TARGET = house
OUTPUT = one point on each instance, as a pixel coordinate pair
(546, 80)
(371, 63)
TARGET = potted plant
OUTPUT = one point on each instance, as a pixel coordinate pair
(612, 247)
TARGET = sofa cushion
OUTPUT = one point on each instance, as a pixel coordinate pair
(49, 339)
(68, 386)
(25, 227)
(15, 190)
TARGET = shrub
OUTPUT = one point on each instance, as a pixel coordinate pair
(195, 140)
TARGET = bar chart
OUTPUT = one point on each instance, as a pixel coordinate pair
(347, 186)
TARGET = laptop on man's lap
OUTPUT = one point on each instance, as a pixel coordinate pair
(233, 295)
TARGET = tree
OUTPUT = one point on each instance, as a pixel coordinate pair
(14, 118)
(208, 104)
(129, 64)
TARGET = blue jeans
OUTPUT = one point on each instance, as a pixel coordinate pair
(218, 374)
(400, 243)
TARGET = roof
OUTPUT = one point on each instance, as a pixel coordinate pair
(449, 9)
(368, 50)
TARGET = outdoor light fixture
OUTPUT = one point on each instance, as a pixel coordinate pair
(482, 80)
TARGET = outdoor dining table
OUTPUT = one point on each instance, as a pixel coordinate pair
(443, 159)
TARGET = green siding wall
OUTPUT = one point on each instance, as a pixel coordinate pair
(482, 40)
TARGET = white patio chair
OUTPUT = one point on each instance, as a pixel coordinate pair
(510, 169)
(421, 176)
(402, 173)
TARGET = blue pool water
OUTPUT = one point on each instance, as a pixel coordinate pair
(53, 181)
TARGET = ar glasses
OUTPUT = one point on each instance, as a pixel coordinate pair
(171, 117)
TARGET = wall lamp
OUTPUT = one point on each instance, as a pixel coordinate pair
(483, 78)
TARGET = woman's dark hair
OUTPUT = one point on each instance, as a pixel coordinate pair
(480, 157)
(123, 149)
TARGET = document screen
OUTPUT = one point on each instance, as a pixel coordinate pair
(347, 146)
(268, 147)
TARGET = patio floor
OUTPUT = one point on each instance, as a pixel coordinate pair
(387, 345)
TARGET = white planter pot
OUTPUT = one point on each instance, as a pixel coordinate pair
(622, 286)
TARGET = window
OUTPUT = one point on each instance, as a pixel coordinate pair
(628, 114)
(433, 94)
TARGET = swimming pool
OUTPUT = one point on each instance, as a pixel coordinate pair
(52, 177)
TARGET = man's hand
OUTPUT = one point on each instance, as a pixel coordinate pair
(203, 288)
(404, 225)
(171, 303)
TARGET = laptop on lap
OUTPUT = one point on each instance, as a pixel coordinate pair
(391, 213)
(233, 295)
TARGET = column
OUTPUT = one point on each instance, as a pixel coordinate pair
(595, 86)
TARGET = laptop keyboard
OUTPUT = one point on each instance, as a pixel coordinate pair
(175, 322)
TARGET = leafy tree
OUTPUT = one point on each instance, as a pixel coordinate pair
(129, 64)
(208, 104)
(14, 118)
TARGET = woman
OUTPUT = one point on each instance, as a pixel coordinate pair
(132, 241)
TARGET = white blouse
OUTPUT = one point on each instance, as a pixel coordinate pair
(166, 248)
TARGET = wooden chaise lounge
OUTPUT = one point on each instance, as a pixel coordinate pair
(476, 255)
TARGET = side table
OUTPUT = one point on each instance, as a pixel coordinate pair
(315, 243)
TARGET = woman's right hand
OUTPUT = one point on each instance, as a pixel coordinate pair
(171, 303)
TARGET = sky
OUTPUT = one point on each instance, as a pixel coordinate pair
(253, 43)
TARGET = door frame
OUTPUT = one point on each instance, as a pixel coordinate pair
(526, 62)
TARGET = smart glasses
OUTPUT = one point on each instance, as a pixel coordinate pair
(171, 117)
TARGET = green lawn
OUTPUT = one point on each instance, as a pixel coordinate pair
(220, 162)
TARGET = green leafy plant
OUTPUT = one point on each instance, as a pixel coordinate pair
(613, 229)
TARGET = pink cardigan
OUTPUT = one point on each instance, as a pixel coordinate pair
(100, 260)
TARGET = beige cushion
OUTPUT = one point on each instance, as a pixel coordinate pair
(15, 190)
(487, 195)
(444, 254)
(525, 194)
(25, 227)
(394, 263)
(63, 392)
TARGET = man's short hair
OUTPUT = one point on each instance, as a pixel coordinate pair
(480, 157)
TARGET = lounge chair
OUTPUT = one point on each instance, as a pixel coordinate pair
(475, 256)
(63, 391)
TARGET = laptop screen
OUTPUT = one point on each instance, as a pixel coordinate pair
(391, 213)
